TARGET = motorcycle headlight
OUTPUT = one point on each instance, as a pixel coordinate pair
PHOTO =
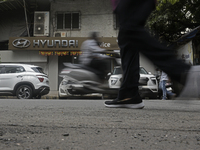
(64, 83)
(113, 81)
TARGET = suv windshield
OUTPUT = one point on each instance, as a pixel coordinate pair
(118, 70)
(38, 69)
(143, 71)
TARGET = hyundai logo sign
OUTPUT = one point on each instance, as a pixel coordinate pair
(21, 43)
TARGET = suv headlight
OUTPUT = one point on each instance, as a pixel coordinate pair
(113, 80)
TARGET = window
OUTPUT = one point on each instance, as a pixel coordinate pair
(14, 69)
(38, 69)
(1, 69)
(66, 20)
(117, 71)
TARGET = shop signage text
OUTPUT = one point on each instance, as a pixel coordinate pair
(56, 43)
(24, 43)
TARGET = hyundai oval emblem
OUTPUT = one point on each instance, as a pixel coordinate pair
(21, 43)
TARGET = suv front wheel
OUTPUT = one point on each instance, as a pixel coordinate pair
(24, 92)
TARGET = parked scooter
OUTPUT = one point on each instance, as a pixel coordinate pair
(169, 87)
(84, 80)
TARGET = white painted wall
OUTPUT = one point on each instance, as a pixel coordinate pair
(185, 53)
(22, 56)
(147, 64)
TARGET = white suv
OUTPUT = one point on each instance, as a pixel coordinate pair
(148, 85)
(22, 80)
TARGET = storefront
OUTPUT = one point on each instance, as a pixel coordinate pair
(50, 53)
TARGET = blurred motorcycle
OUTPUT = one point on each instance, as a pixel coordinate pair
(81, 80)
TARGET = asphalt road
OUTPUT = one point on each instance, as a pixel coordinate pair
(88, 125)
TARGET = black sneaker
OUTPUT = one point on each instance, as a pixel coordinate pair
(124, 103)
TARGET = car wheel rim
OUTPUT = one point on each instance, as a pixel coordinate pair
(24, 93)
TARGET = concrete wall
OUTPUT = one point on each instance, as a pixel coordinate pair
(147, 64)
(22, 56)
(95, 15)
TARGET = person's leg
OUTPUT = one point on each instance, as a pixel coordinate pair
(128, 95)
(160, 55)
(130, 66)
(133, 15)
(164, 90)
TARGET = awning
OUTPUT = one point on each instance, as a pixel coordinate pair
(12, 24)
(31, 5)
(188, 36)
(11, 5)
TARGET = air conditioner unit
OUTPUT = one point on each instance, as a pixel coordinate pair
(60, 34)
(41, 23)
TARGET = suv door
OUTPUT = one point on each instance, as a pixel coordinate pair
(10, 76)
(1, 71)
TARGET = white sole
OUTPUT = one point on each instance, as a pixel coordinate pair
(133, 106)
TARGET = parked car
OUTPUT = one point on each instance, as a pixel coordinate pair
(23, 80)
(148, 85)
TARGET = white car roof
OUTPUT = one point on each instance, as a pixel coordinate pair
(15, 64)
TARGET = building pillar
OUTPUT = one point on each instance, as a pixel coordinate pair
(53, 75)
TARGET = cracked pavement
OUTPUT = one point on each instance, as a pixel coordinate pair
(88, 125)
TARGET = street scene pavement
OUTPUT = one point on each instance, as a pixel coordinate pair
(81, 124)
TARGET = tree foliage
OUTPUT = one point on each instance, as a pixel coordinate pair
(173, 18)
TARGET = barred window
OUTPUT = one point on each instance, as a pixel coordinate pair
(68, 20)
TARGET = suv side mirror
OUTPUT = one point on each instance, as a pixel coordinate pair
(109, 74)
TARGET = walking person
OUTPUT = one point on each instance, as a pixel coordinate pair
(162, 85)
(132, 39)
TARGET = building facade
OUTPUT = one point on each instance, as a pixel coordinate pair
(58, 32)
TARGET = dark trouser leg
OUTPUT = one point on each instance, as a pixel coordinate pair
(133, 38)
(132, 13)
(132, 42)
(161, 56)
(130, 66)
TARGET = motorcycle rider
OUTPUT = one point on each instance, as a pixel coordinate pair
(91, 56)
